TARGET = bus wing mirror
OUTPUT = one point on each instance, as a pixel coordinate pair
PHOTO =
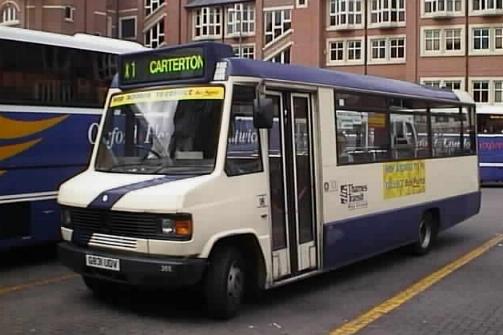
(262, 112)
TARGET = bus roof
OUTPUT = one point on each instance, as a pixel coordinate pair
(77, 41)
(339, 79)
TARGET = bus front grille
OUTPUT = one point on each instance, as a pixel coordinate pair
(135, 225)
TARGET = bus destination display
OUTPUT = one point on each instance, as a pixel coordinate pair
(171, 65)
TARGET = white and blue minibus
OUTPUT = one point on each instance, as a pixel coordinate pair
(237, 174)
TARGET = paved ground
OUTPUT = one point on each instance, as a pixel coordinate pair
(466, 302)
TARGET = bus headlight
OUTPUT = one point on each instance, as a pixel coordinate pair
(177, 227)
(66, 217)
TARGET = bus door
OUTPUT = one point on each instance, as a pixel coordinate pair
(292, 185)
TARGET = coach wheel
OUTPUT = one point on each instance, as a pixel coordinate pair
(426, 235)
(225, 283)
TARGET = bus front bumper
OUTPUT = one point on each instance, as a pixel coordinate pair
(135, 270)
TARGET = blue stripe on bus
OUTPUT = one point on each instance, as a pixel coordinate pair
(107, 199)
(354, 239)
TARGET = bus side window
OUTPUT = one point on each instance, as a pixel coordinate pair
(243, 143)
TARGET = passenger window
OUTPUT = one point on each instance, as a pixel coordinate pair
(469, 142)
(362, 136)
(447, 131)
(409, 136)
(243, 143)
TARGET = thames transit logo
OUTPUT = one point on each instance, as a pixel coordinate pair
(16, 129)
(354, 196)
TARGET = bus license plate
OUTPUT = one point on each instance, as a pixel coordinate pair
(103, 262)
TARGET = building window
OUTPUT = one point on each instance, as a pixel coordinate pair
(452, 39)
(154, 37)
(337, 51)
(301, 3)
(487, 90)
(127, 27)
(277, 23)
(498, 91)
(345, 13)
(387, 49)
(379, 49)
(387, 12)
(69, 13)
(282, 57)
(487, 4)
(432, 39)
(397, 48)
(447, 41)
(354, 50)
(152, 5)
(241, 19)
(434, 6)
(487, 40)
(9, 15)
(244, 51)
(481, 39)
(451, 84)
(481, 91)
(345, 52)
(207, 22)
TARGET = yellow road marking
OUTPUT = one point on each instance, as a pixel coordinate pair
(389, 305)
(20, 287)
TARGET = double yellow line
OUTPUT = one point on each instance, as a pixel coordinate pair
(362, 321)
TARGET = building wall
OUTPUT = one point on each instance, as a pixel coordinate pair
(92, 17)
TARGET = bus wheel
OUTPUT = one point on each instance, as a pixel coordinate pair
(426, 235)
(224, 283)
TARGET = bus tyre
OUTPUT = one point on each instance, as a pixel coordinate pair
(224, 283)
(426, 235)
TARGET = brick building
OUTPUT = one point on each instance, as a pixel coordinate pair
(112, 18)
(453, 43)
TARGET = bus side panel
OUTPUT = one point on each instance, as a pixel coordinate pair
(357, 238)
(491, 158)
(38, 151)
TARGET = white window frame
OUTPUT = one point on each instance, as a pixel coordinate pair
(492, 87)
(280, 51)
(299, 5)
(492, 40)
(443, 52)
(345, 61)
(241, 47)
(72, 13)
(160, 38)
(233, 12)
(486, 11)
(135, 26)
(276, 10)
(443, 80)
(380, 10)
(442, 13)
(346, 13)
(387, 53)
(9, 13)
(207, 11)
(153, 3)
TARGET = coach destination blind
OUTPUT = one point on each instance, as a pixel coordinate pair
(187, 64)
